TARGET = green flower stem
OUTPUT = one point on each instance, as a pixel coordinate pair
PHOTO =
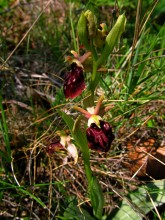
(86, 155)
(94, 78)
(89, 101)
(94, 52)
(88, 170)
(86, 158)
(72, 28)
(94, 71)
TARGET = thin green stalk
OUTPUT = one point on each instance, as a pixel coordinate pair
(24, 191)
(4, 129)
(88, 170)
(85, 152)
(28, 44)
(72, 28)
(94, 78)
(94, 52)
(131, 73)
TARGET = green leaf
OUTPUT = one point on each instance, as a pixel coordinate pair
(151, 123)
(4, 4)
(135, 78)
(74, 213)
(3, 155)
(97, 198)
(68, 120)
(78, 135)
(139, 202)
(81, 141)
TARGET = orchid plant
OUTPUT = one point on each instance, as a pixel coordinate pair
(97, 135)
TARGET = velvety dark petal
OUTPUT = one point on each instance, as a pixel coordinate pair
(105, 126)
(74, 66)
(74, 82)
(107, 129)
(100, 138)
(54, 147)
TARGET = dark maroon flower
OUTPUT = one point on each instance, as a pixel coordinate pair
(53, 147)
(100, 138)
(74, 82)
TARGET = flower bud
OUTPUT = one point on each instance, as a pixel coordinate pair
(91, 23)
(112, 39)
(101, 34)
(82, 31)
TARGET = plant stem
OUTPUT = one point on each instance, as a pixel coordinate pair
(88, 170)
(4, 130)
(72, 28)
(94, 78)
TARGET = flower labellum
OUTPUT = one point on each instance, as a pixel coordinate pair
(53, 147)
(99, 133)
(100, 137)
(74, 82)
(64, 145)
